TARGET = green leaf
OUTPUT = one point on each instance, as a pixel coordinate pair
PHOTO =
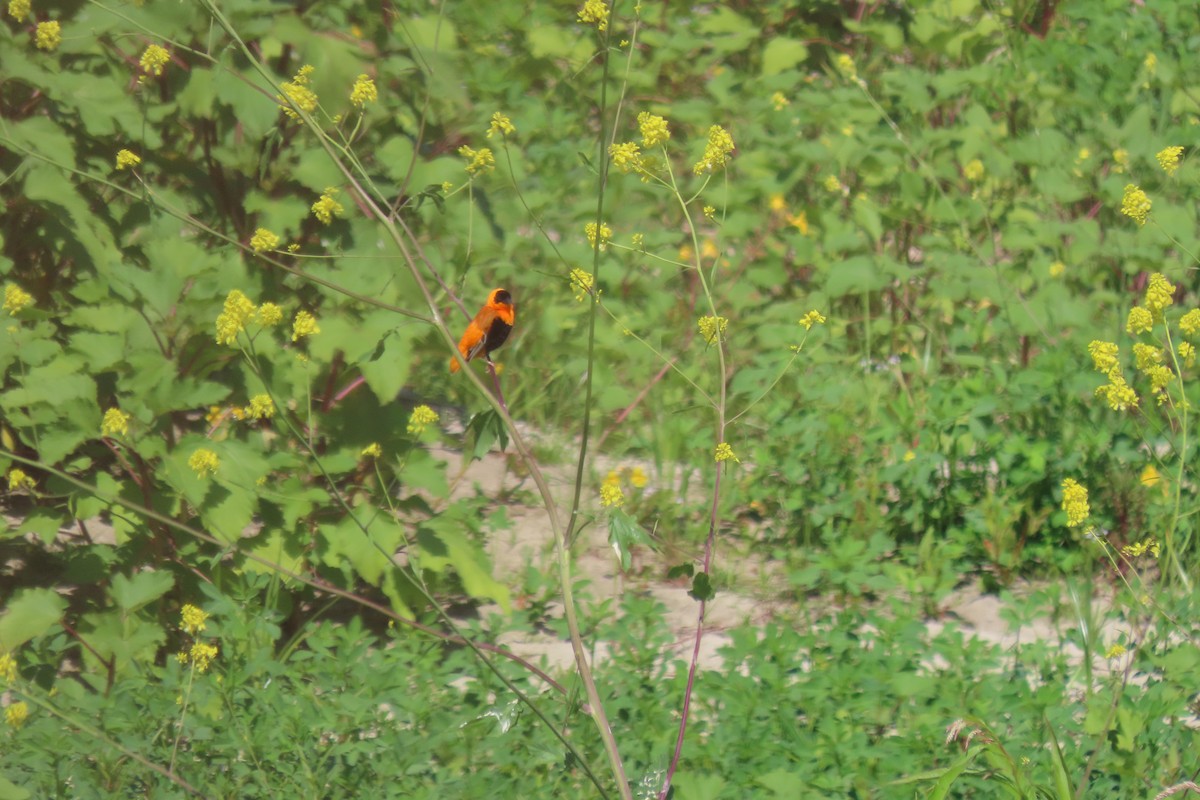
(624, 533)
(131, 594)
(782, 54)
(29, 614)
(442, 544)
(485, 429)
(702, 588)
(10, 791)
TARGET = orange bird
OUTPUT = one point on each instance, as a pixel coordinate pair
(489, 329)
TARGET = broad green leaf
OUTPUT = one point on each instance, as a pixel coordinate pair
(133, 593)
(30, 613)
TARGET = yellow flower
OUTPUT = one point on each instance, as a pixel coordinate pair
(653, 128)
(127, 158)
(1150, 476)
(780, 101)
(1140, 320)
(813, 317)
(625, 156)
(638, 241)
(326, 208)
(1075, 502)
(1084, 155)
(716, 151)
(611, 496)
(709, 211)
(363, 92)
(973, 170)
(478, 161)
(581, 284)
(16, 299)
(201, 655)
(1146, 356)
(1168, 159)
(261, 407)
(17, 480)
(725, 453)
(18, 9)
(297, 92)
(799, 222)
(16, 714)
(1189, 323)
(637, 478)
(1159, 294)
(598, 236)
(115, 423)
(1115, 651)
(1135, 204)
(501, 124)
(8, 668)
(909, 455)
(1119, 394)
(263, 240)
(269, 315)
(1187, 351)
(154, 60)
(232, 319)
(373, 450)
(305, 324)
(1057, 268)
(595, 12)
(421, 417)
(1151, 63)
(48, 36)
(845, 65)
(204, 463)
(1120, 158)
(192, 619)
(711, 327)
(833, 184)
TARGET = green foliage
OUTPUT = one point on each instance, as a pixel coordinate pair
(943, 182)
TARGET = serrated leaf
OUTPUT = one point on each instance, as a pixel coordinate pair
(131, 594)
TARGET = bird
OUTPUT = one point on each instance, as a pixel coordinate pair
(489, 329)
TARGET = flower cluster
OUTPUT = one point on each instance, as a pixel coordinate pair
(625, 156)
(373, 450)
(501, 124)
(598, 235)
(363, 92)
(16, 299)
(1117, 392)
(297, 94)
(261, 407)
(327, 207)
(48, 35)
(19, 9)
(813, 317)
(581, 283)
(716, 151)
(421, 417)
(595, 12)
(18, 480)
(305, 324)
(263, 240)
(127, 159)
(653, 128)
(725, 453)
(154, 60)
(115, 423)
(611, 493)
(204, 463)
(1138, 549)
(711, 327)
(1168, 159)
(478, 161)
(1135, 204)
(1075, 502)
